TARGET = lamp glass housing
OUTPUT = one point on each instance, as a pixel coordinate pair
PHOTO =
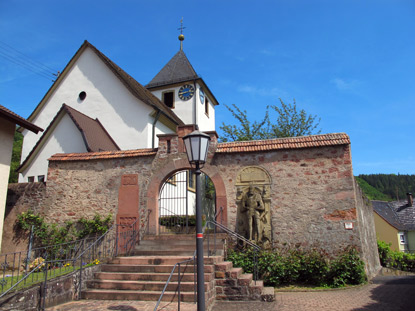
(197, 145)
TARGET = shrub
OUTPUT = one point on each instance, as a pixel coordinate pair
(395, 259)
(346, 269)
(277, 267)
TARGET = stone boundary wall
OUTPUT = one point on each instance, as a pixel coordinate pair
(314, 202)
(20, 198)
(366, 223)
(59, 290)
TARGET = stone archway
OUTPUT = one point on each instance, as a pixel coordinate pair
(160, 176)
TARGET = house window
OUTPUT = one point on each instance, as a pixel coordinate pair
(191, 181)
(402, 238)
(41, 178)
(206, 106)
(31, 179)
(168, 99)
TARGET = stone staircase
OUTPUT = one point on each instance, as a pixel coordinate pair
(143, 276)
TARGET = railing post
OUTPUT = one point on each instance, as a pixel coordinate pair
(44, 288)
(178, 291)
(80, 278)
(116, 240)
(29, 250)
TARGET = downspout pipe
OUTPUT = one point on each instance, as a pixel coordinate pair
(156, 118)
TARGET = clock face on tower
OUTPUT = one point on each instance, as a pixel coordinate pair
(186, 92)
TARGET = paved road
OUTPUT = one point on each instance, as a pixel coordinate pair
(384, 293)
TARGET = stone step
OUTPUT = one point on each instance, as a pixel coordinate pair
(152, 268)
(162, 260)
(151, 245)
(102, 294)
(145, 285)
(177, 237)
(172, 252)
(268, 294)
(185, 277)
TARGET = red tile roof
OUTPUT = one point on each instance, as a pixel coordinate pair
(95, 136)
(238, 146)
(284, 143)
(103, 155)
(16, 119)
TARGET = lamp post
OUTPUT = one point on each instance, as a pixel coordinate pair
(197, 145)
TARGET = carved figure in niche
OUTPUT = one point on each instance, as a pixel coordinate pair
(253, 198)
(253, 206)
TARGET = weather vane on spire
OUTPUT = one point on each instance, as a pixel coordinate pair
(181, 36)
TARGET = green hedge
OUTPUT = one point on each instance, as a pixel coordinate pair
(298, 267)
(395, 259)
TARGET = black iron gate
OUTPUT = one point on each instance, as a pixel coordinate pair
(177, 202)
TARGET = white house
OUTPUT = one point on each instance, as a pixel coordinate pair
(8, 121)
(95, 89)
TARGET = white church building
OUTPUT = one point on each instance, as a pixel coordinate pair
(94, 105)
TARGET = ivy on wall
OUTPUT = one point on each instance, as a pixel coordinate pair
(51, 234)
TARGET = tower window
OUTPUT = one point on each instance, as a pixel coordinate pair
(206, 106)
(168, 99)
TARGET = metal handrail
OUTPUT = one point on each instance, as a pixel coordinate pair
(255, 247)
(188, 260)
(48, 262)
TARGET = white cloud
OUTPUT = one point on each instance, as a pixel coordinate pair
(261, 91)
(344, 85)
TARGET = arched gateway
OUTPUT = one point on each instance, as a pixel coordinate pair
(177, 202)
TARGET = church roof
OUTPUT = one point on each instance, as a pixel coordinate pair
(16, 119)
(95, 137)
(139, 91)
(284, 143)
(177, 70)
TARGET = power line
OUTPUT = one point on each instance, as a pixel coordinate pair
(11, 54)
(22, 64)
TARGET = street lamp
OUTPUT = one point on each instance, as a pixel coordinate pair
(197, 145)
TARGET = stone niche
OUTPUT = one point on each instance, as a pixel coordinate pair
(253, 198)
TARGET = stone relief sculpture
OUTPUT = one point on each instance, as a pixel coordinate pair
(253, 200)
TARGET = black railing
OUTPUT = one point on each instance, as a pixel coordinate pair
(179, 265)
(237, 237)
(44, 263)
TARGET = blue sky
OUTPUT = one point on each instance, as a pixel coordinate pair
(350, 62)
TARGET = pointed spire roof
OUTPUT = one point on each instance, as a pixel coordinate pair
(177, 70)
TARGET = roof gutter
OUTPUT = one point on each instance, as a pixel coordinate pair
(156, 118)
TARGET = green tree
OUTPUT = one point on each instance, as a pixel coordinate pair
(289, 122)
(16, 154)
(246, 130)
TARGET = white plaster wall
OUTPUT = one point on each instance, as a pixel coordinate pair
(160, 129)
(205, 122)
(7, 129)
(185, 109)
(65, 138)
(123, 115)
